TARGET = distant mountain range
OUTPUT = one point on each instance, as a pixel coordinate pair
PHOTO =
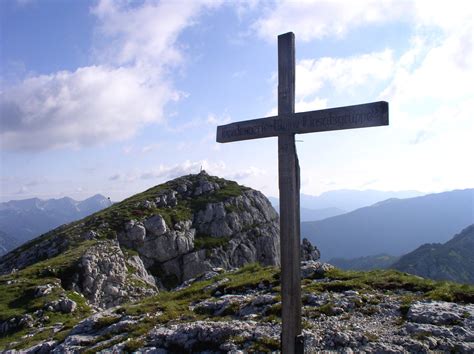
(339, 202)
(349, 200)
(22, 220)
(379, 261)
(394, 226)
(453, 260)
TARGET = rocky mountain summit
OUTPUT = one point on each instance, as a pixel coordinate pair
(157, 239)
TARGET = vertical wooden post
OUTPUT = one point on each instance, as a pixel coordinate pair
(288, 169)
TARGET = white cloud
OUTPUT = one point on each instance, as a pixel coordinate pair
(302, 105)
(150, 147)
(321, 18)
(166, 172)
(23, 190)
(136, 49)
(212, 119)
(447, 15)
(345, 75)
(89, 106)
(316, 19)
(440, 71)
(146, 33)
(251, 172)
(342, 73)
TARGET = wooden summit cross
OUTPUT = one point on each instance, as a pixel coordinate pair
(285, 126)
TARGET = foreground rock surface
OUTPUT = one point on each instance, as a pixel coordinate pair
(238, 312)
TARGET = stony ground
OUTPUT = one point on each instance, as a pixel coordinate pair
(238, 311)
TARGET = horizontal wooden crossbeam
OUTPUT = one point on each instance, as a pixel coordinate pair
(348, 117)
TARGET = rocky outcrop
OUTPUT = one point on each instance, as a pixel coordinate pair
(212, 335)
(102, 276)
(308, 251)
(225, 225)
(64, 305)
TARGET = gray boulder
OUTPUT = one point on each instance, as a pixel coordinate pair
(155, 225)
(64, 305)
(102, 276)
(439, 312)
(308, 251)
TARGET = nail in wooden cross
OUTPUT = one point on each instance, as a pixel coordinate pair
(285, 126)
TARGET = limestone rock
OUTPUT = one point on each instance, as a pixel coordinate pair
(41, 348)
(43, 290)
(135, 233)
(314, 269)
(244, 225)
(16, 323)
(439, 313)
(102, 276)
(155, 225)
(308, 251)
(188, 336)
(63, 305)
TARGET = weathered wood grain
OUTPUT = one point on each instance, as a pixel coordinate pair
(288, 175)
(348, 117)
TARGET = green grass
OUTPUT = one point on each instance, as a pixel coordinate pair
(264, 345)
(133, 344)
(249, 277)
(229, 189)
(392, 280)
(106, 321)
(17, 297)
(208, 242)
(17, 294)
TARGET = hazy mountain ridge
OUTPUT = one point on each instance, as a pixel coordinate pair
(22, 220)
(338, 202)
(349, 199)
(394, 227)
(380, 261)
(453, 260)
(6, 243)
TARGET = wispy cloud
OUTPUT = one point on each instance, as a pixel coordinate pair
(250, 172)
(319, 19)
(316, 19)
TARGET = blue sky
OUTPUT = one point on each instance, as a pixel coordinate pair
(114, 97)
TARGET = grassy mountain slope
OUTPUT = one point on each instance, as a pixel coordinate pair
(453, 260)
(110, 221)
